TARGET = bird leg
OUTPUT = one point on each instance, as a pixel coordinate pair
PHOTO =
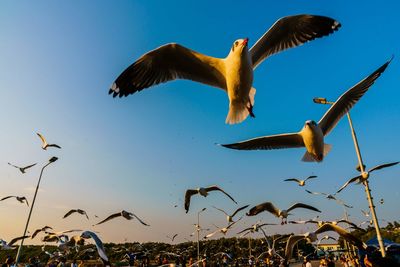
(250, 110)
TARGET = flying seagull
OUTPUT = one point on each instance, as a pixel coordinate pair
(330, 197)
(22, 169)
(45, 145)
(233, 74)
(127, 215)
(364, 176)
(254, 228)
(173, 237)
(313, 236)
(204, 192)
(223, 230)
(82, 212)
(99, 246)
(43, 229)
(312, 135)
(366, 213)
(9, 245)
(20, 199)
(300, 182)
(268, 206)
(229, 218)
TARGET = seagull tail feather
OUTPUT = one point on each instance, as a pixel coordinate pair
(238, 111)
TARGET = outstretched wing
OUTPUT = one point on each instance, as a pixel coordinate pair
(188, 195)
(352, 180)
(4, 198)
(13, 165)
(221, 210)
(141, 221)
(167, 63)
(348, 100)
(16, 239)
(239, 209)
(112, 216)
(290, 32)
(292, 180)
(293, 239)
(268, 206)
(304, 206)
(216, 188)
(69, 213)
(42, 138)
(310, 177)
(383, 166)
(343, 233)
(29, 166)
(290, 140)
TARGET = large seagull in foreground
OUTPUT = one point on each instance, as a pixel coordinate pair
(233, 74)
(312, 135)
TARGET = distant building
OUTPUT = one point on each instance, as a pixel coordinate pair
(329, 247)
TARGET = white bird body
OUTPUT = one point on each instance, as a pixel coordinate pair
(313, 139)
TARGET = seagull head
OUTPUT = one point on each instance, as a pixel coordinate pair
(310, 123)
(239, 46)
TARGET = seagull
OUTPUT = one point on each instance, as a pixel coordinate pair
(229, 218)
(271, 247)
(254, 228)
(330, 197)
(43, 229)
(300, 182)
(22, 169)
(99, 246)
(366, 213)
(364, 176)
(268, 206)
(326, 237)
(45, 145)
(20, 199)
(312, 237)
(204, 192)
(223, 230)
(312, 135)
(173, 237)
(9, 245)
(82, 212)
(233, 74)
(127, 215)
(320, 223)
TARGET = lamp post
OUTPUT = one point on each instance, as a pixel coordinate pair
(53, 159)
(198, 233)
(320, 100)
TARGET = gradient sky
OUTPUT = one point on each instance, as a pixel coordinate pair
(141, 153)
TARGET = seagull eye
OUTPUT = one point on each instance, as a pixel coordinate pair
(236, 43)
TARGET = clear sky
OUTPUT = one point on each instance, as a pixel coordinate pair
(58, 59)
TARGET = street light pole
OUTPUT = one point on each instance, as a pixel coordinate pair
(53, 159)
(198, 233)
(320, 100)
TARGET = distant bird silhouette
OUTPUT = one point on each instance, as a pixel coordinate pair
(366, 213)
(223, 230)
(229, 218)
(45, 145)
(312, 135)
(204, 192)
(20, 199)
(82, 212)
(365, 175)
(330, 197)
(127, 215)
(268, 206)
(300, 182)
(254, 228)
(22, 169)
(6, 246)
(43, 229)
(233, 74)
(99, 246)
(173, 237)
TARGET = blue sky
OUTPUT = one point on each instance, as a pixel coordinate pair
(142, 152)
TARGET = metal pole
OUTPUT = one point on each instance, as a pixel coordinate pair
(30, 211)
(198, 233)
(367, 189)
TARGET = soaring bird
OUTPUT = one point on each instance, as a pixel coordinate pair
(22, 169)
(366, 213)
(173, 237)
(365, 175)
(82, 212)
(127, 215)
(204, 192)
(254, 228)
(229, 218)
(43, 229)
(313, 236)
(300, 182)
(45, 145)
(20, 199)
(223, 230)
(326, 237)
(9, 245)
(312, 135)
(99, 246)
(233, 74)
(268, 206)
(271, 247)
(330, 197)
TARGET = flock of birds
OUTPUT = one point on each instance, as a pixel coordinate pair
(234, 75)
